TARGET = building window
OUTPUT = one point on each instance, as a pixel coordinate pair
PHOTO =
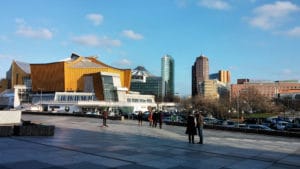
(110, 93)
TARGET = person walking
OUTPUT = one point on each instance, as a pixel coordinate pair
(105, 116)
(140, 118)
(191, 128)
(154, 117)
(159, 115)
(150, 116)
(200, 122)
(150, 119)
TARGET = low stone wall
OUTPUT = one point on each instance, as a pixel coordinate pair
(27, 129)
(6, 131)
(34, 130)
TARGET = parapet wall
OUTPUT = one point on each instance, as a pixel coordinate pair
(10, 117)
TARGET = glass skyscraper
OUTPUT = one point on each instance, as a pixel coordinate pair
(167, 75)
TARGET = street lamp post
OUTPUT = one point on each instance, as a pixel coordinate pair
(177, 100)
(41, 98)
(237, 107)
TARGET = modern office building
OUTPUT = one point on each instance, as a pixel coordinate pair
(211, 86)
(146, 83)
(242, 81)
(208, 89)
(268, 89)
(214, 76)
(200, 73)
(222, 76)
(76, 84)
(167, 75)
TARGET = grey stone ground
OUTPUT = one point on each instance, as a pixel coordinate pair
(81, 143)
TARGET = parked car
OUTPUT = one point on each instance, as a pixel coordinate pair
(258, 127)
(241, 125)
(145, 115)
(93, 113)
(293, 127)
(281, 125)
(173, 118)
(166, 119)
(210, 120)
(228, 123)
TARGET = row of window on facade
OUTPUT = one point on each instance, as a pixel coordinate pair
(139, 100)
(75, 98)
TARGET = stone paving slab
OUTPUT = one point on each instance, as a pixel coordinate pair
(80, 143)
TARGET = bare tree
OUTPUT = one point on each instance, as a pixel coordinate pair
(251, 100)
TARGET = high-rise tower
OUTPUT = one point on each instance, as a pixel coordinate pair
(200, 73)
(167, 75)
(224, 76)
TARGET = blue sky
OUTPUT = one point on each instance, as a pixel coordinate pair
(256, 39)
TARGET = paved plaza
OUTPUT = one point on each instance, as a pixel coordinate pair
(81, 143)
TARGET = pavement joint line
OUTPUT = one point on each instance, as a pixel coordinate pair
(277, 161)
(133, 162)
(232, 152)
(74, 150)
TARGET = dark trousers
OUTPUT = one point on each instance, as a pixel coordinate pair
(191, 138)
(104, 121)
(154, 123)
(200, 133)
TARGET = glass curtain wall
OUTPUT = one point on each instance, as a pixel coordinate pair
(110, 93)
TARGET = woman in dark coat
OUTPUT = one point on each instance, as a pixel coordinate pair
(191, 128)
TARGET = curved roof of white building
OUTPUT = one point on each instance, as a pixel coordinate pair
(141, 71)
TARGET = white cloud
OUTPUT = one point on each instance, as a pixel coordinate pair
(288, 73)
(97, 19)
(20, 21)
(8, 57)
(122, 63)
(27, 31)
(132, 35)
(42, 33)
(272, 15)
(94, 41)
(214, 4)
(3, 38)
(3, 56)
(182, 3)
(294, 32)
